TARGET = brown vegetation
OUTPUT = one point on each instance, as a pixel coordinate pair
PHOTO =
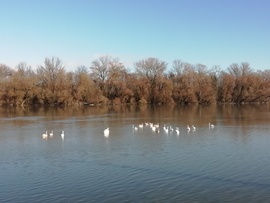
(108, 81)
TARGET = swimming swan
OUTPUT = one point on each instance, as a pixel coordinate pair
(106, 132)
(188, 128)
(177, 130)
(62, 135)
(45, 135)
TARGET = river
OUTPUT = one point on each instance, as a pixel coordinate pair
(136, 163)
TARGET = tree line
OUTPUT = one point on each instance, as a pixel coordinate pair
(108, 81)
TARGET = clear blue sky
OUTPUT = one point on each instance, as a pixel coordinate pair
(210, 32)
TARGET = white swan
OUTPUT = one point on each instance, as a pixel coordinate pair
(106, 132)
(177, 130)
(211, 125)
(51, 133)
(166, 129)
(188, 128)
(45, 135)
(62, 135)
(194, 128)
(134, 127)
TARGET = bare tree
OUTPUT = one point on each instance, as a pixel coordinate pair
(5, 72)
(226, 87)
(50, 76)
(49, 73)
(152, 69)
(188, 84)
(116, 83)
(100, 69)
(18, 87)
(200, 68)
(240, 73)
(178, 67)
(81, 69)
(85, 90)
(239, 70)
(25, 81)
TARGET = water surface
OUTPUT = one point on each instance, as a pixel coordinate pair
(229, 163)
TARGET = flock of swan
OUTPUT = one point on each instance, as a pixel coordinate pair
(45, 135)
(156, 128)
